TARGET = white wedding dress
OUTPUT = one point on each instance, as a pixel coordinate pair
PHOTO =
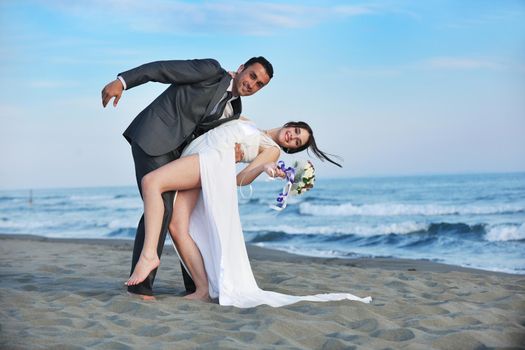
(215, 224)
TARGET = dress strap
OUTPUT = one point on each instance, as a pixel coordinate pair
(266, 141)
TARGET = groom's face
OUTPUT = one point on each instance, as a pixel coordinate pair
(249, 80)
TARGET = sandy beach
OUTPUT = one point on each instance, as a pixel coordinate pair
(69, 294)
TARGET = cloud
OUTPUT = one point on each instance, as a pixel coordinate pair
(184, 17)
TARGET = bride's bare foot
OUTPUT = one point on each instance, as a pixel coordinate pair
(144, 266)
(199, 295)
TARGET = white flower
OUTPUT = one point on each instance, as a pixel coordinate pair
(309, 172)
(304, 177)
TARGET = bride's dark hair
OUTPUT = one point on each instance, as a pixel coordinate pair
(309, 144)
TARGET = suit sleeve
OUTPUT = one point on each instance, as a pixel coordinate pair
(172, 72)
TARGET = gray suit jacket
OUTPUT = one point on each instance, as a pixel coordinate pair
(183, 108)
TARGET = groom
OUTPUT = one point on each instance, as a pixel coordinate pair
(201, 96)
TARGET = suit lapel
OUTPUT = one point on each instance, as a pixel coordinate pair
(221, 89)
(205, 124)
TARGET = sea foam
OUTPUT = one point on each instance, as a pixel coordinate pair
(360, 230)
(506, 233)
(398, 209)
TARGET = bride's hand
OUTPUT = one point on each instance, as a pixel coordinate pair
(273, 171)
(239, 154)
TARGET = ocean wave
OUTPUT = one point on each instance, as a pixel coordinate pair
(65, 224)
(394, 209)
(408, 234)
(114, 202)
(360, 230)
(314, 252)
(121, 223)
(249, 200)
(130, 195)
(506, 233)
(318, 199)
(123, 232)
(90, 198)
(27, 224)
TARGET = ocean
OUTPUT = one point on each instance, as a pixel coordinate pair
(467, 220)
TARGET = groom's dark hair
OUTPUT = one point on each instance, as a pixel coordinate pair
(263, 62)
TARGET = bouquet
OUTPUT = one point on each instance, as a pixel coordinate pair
(304, 177)
(299, 179)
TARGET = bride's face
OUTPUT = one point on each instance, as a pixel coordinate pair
(292, 137)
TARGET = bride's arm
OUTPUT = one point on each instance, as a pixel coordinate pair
(265, 159)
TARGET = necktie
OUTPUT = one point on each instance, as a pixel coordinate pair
(219, 107)
(213, 119)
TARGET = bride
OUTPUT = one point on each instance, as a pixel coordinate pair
(205, 226)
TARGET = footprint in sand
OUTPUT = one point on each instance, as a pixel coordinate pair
(367, 325)
(119, 322)
(54, 269)
(152, 331)
(120, 307)
(343, 336)
(399, 334)
(30, 288)
(404, 277)
(113, 345)
(397, 285)
(24, 279)
(336, 344)
(75, 266)
(430, 284)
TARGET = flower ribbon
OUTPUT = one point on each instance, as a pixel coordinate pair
(283, 195)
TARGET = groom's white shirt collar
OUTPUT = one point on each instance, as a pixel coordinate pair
(230, 89)
(228, 109)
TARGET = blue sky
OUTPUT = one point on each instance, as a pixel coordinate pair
(394, 87)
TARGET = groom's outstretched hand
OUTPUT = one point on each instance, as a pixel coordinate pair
(113, 89)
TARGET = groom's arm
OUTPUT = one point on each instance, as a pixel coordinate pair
(168, 72)
(171, 72)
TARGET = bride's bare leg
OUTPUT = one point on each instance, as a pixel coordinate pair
(188, 250)
(181, 174)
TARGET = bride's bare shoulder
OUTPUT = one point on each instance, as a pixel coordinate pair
(245, 118)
